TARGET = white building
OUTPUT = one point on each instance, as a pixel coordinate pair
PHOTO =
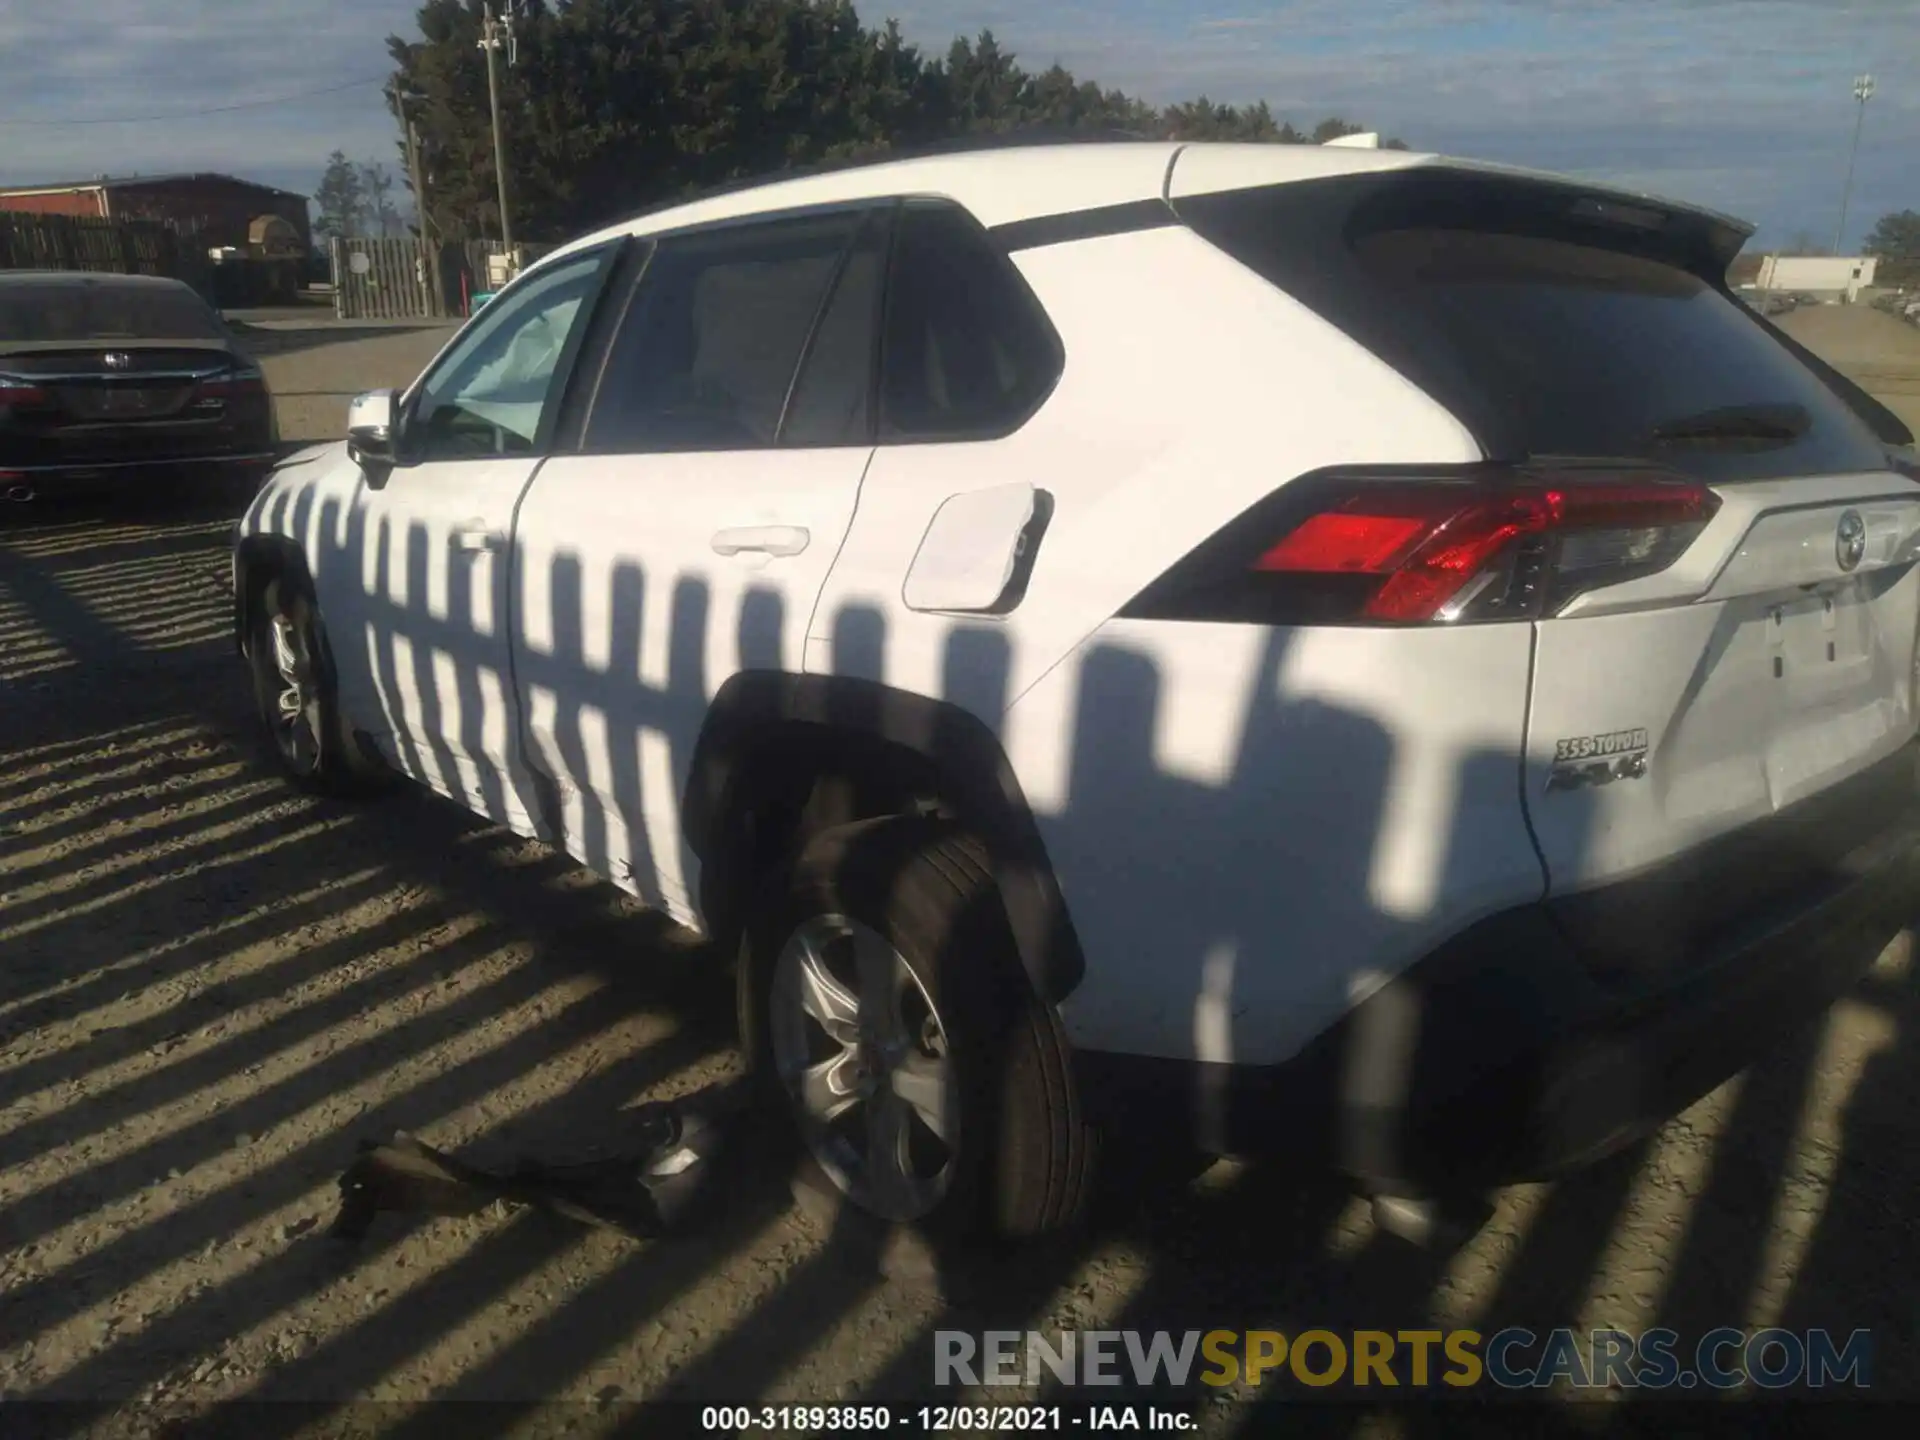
(1828, 277)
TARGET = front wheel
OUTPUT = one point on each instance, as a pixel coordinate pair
(295, 697)
(885, 1008)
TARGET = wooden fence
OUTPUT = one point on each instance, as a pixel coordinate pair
(400, 277)
(381, 279)
(84, 242)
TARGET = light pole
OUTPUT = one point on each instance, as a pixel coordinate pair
(494, 33)
(1863, 92)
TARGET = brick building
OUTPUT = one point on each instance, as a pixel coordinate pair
(224, 210)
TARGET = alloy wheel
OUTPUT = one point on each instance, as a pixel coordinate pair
(296, 699)
(864, 1057)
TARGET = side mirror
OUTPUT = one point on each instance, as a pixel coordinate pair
(371, 423)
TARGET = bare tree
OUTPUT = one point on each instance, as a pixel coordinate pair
(376, 191)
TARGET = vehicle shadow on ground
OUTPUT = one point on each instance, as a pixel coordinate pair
(211, 988)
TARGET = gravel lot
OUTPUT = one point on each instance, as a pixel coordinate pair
(315, 368)
(211, 988)
(1878, 352)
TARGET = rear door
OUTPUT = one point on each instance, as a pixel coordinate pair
(689, 534)
(1741, 711)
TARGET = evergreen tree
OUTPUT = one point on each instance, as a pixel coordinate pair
(339, 198)
(1896, 236)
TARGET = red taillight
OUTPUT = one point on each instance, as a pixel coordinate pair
(20, 394)
(1426, 542)
(1492, 543)
(1429, 543)
(1345, 544)
(1455, 553)
(233, 384)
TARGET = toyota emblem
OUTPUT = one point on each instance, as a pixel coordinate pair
(117, 360)
(1850, 541)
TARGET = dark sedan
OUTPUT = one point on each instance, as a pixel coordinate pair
(123, 378)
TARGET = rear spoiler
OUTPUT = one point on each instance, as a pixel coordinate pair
(1709, 238)
(1365, 140)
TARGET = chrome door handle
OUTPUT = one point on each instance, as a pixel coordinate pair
(472, 539)
(764, 539)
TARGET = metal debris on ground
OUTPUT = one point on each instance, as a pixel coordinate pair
(644, 1191)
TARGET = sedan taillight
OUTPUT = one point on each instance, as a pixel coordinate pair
(19, 394)
(231, 384)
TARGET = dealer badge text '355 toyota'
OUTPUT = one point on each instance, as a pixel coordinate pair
(1585, 760)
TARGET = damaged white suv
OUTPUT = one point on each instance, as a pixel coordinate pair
(1330, 650)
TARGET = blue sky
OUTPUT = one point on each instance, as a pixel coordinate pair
(1744, 105)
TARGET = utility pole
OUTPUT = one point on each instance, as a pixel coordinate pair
(1862, 92)
(429, 247)
(496, 33)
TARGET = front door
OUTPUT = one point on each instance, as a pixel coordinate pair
(690, 536)
(429, 646)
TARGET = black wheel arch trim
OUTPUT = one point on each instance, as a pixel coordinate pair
(755, 710)
(254, 556)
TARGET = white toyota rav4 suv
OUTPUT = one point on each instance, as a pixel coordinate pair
(1343, 652)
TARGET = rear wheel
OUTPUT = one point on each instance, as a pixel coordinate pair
(885, 1009)
(295, 697)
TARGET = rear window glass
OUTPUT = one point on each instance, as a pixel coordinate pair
(82, 313)
(1559, 344)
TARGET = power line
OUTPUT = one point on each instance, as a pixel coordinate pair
(194, 114)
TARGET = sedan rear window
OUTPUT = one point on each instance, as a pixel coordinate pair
(1547, 336)
(83, 312)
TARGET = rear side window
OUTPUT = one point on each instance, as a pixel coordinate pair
(707, 352)
(832, 402)
(1547, 337)
(968, 352)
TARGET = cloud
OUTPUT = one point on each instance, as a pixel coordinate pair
(1239, 22)
(1744, 105)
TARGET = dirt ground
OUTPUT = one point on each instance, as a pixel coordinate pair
(315, 368)
(212, 987)
(1878, 352)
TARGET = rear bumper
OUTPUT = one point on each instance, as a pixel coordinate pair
(1506, 1055)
